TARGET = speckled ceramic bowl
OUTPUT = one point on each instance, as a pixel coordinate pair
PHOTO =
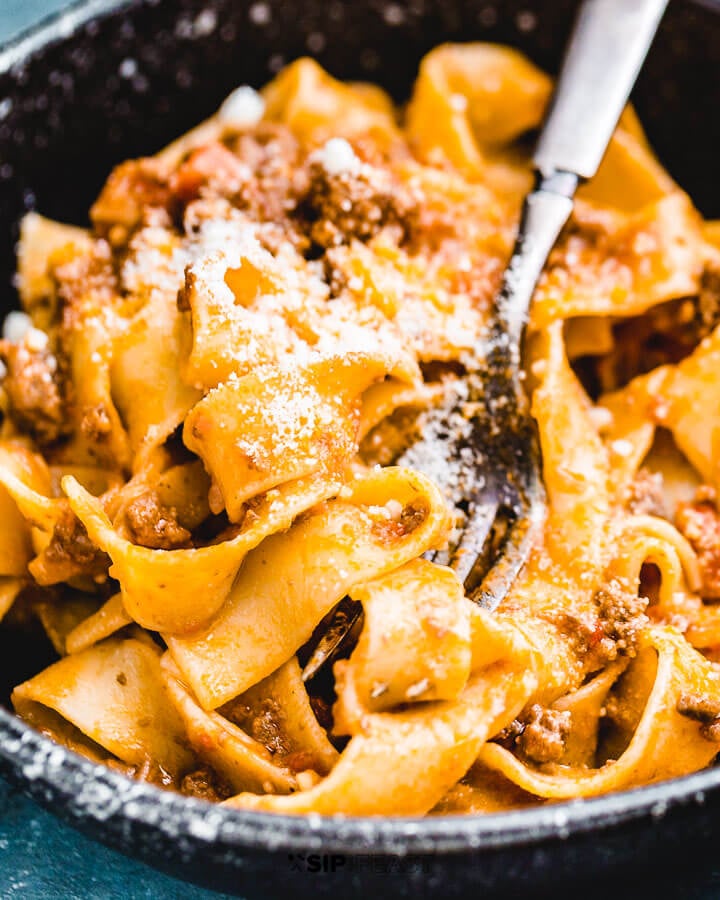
(116, 78)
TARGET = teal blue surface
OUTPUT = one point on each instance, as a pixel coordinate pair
(41, 858)
(15, 15)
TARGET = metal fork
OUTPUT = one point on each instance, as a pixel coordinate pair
(488, 439)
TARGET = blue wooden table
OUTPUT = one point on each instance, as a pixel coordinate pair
(41, 858)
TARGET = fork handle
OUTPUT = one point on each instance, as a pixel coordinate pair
(607, 47)
(606, 51)
(545, 210)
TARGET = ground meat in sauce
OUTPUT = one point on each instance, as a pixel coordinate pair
(347, 205)
(271, 152)
(411, 517)
(258, 172)
(700, 524)
(622, 614)
(645, 494)
(95, 424)
(71, 552)
(153, 525)
(263, 722)
(206, 784)
(615, 629)
(704, 709)
(543, 734)
(35, 397)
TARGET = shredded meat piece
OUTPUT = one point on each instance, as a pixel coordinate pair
(206, 784)
(703, 709)
(645, 494)
(700, 524)
(71, 552)
(357, 205)
(153, 525)
(32, 385)
(543, 735)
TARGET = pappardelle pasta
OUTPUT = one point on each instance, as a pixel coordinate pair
(202, 407)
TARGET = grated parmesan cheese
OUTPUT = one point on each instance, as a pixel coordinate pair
(36, 340)
(601, 418)
(16, 326)
(243, 108)
(622, 447)
(337, 157)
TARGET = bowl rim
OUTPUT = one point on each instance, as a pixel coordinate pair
(53, 774)
(57, 26)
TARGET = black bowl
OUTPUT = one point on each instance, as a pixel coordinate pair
(67, 115)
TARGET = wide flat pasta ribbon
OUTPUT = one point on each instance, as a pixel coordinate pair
(145, 381)
(403, 762)
(176, 591)
(314, 564)
(665, 743)
(113, 693)
(438, 323)
(461, 109)
(278, 425)
(415, 642)
(622, 265)
(9, 590)
(22, 475)
(101, 624)
(317, 106)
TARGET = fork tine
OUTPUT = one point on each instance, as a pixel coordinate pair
(513, 553)
(344, 618)
(468, 554)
